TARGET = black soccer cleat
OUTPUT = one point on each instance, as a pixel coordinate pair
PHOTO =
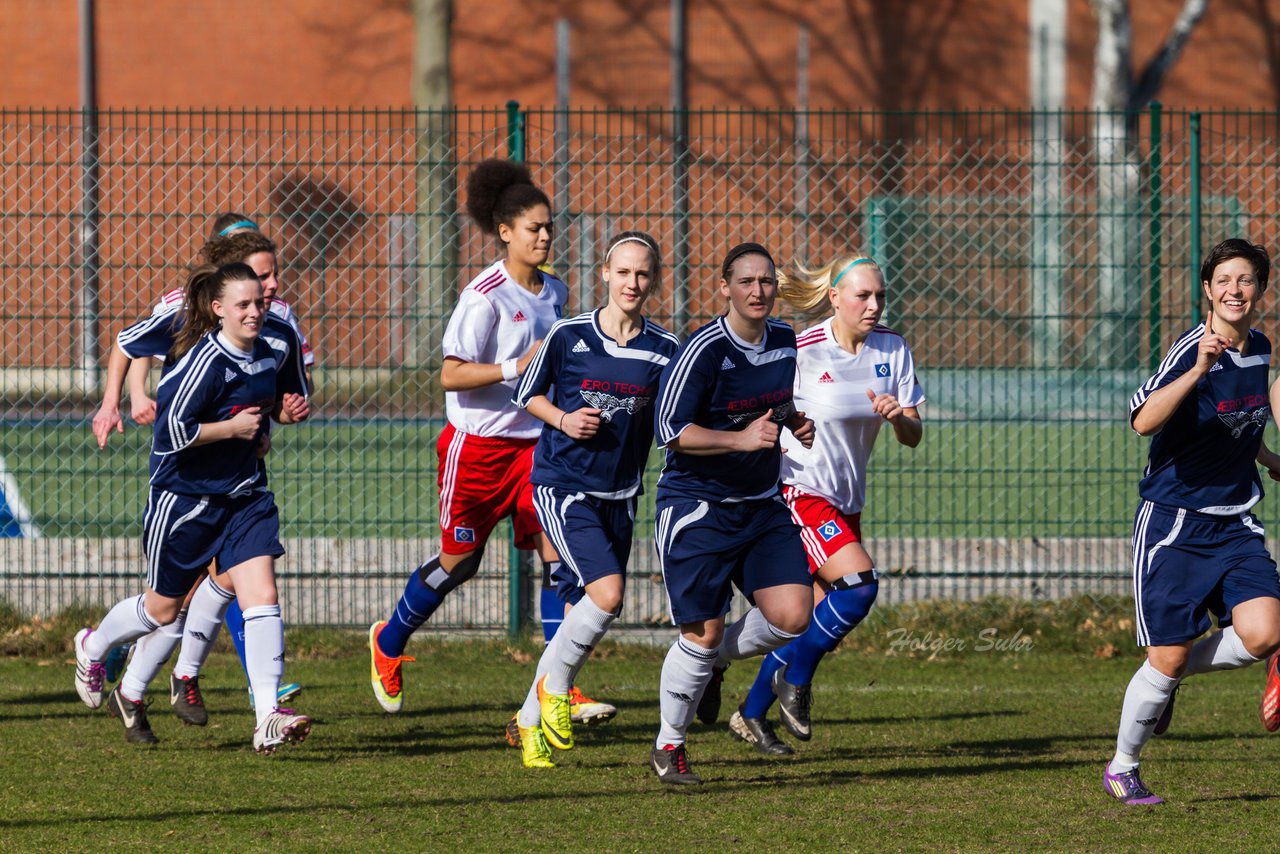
(709, 706)
(758, 732)
(794, 704)
(188, 704)
(137, 730)
(671, 764)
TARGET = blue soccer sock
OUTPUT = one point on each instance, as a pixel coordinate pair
(761, 697)
(416, 605)
(234, 620)
(833, 618)
(550, 605)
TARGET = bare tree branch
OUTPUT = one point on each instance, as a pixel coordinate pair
(1153, 75)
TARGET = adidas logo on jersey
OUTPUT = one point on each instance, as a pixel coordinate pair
(825, 378)
(1217, 366)
(230, 375)
(726, 365)
(581, 347)
(519, 316)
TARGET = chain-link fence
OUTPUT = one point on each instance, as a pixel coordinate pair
(1038, 265)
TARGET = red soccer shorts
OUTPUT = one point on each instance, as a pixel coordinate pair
(825, 530)
(482, 481)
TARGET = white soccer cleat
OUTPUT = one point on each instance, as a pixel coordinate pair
(282, 726)
(90, 675)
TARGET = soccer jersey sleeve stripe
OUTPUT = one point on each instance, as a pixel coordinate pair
(671, 392)
(190, 380)
(535, 380)
(158, 329)
(1176, 354)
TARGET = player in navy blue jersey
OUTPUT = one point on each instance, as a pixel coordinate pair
(721, 520)
(209, 499)
(136, 347)
(1197, 548)
(592, 384)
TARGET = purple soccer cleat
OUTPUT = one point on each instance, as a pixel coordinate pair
(1128, 788)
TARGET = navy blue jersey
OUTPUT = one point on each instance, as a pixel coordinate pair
(1203, 458)
(211, 382)
(721, 382)
(579, 366)
(153, 337)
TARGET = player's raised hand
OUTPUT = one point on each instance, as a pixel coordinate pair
(760, 434)
(581, 423)
(142, 410)
(523, 362)
(107, 419)
(246, 423)
(293, 408)
(885, 405)
(1212, 345)
(802, 428)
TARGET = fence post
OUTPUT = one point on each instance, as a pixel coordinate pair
(517, 570)
(515, 132)
(1156, 249)
(1194, 203)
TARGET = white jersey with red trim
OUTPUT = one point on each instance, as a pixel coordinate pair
(172, 301)
(498, 319)
(831, 388)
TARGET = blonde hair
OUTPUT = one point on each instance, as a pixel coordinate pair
(807, 290)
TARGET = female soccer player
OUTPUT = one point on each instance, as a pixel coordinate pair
(486, 449)
(131, 357)
(1196, 547)
(721, 520)
(209, 503)
(592, 384)
(852, 376)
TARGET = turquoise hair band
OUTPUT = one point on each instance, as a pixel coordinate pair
(852, 264)
(236, 226)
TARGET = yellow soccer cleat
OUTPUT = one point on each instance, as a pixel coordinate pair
(584, 710)
(384, 672)
(534, 752)
(557, 725)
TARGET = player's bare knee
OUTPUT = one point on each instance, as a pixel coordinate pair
(793, 622)
(1169, 660)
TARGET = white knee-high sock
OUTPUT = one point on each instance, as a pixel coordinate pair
(204, 618)
(751, 636)
(264, 656)
(582, 629)
(685, 674)
(149, 655)
(1220, 651)
(126, 621)
(1148, 693)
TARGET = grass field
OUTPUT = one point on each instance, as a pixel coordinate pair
(959, 750)
(357, 479)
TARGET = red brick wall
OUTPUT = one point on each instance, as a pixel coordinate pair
(865, 54)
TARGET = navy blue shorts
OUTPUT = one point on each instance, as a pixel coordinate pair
(183, 533)
(707, 548)
(1188, 565)
(591, 535)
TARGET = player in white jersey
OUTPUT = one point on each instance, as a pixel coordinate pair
(853, 375)
(486, 449)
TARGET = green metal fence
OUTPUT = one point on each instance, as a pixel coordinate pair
(1038, 265)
